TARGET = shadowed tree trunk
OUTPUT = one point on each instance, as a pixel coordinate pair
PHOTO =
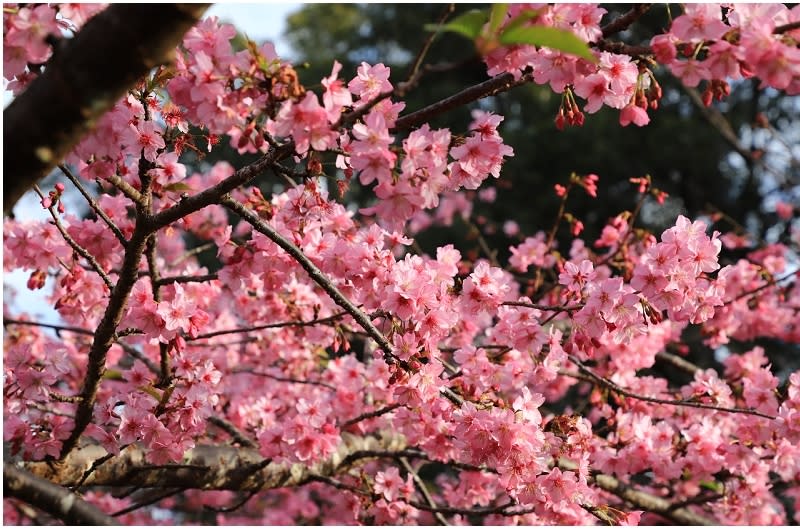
(83, 80)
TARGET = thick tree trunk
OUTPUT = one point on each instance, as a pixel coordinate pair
(85, 77)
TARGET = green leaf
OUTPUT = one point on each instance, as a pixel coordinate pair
(177, 186)
(469, 24)
(496, 17)
(520, 19)
(554, 38)
(113, 374)
(713, 486)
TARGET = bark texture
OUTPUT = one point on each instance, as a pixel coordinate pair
(83, 79)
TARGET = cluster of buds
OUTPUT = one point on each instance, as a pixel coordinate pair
(576, 226)
(37, 279)
(645, 184)
(716, 89)
(569, 113)
(587, 182)
(54, 198)
(650, 96)
(259, 204)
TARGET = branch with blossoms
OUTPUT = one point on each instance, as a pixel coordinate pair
(80, 84)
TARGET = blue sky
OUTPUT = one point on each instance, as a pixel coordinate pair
(260, 21)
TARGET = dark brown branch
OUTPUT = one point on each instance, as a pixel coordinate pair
(496, 85)
(49, 497)
(59, 328)
(787, 27)
(669, 402)
(213, 194)
(371, 415)
(155, 277)
(232, 430)
(478, 511)
(288, 379)
(624, 22)
(128, 190)
(278, 325)
(154, 498)
(622, 48)
(548, 308)
(185, 279)
(95, 207)
(77, 248)
(423, 490)
(315, 274)
(134, 352)
(766, 285)
(81, 82)
(105, 334)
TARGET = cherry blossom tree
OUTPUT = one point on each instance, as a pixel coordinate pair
(318, 366)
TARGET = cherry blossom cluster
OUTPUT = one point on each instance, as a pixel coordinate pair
(28, 35)
(717, 43)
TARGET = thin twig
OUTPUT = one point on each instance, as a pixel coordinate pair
(235, 506)
(237, 435)
(423, 489)
(185, 279)
(371, 415)
(480, 511)
(317, 321)
(191, 253)
(93, 204)
(670, 402)
(149, 501)
(766, 285)
(678, 362)
(496, 85)
(414, 72)
(548, 308)
(287, 379)
(138, 355)
(80, 250)
(316, 274)
(59, 328)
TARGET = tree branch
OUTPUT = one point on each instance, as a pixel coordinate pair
(77, 248)
(54, 500)
(95, 207)
(644, 500)
(326, 319)
(496, 85)
(315, 274)
(57, 328)
(203, 467)
(624, 22)
(104, 336)
(669, 402)
(82, 81)
(213, 194)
